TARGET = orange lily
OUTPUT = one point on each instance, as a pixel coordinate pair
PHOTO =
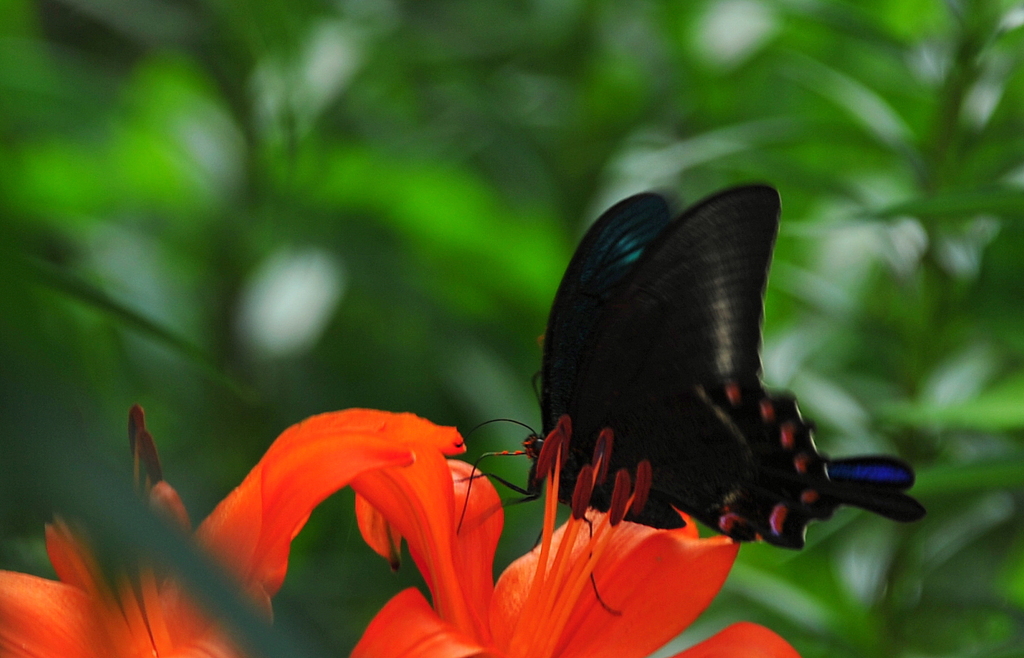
(250, 532)
(596, 586)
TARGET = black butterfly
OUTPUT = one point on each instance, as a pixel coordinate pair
(655, 333)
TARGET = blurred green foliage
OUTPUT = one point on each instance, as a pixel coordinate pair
(241, 214)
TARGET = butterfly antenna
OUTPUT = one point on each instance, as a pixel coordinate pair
(500, 420)
(473, 475)
(528, 495)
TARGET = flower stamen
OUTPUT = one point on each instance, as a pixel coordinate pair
(620, 497)
(143, 448)
(154, 613)
(550, 451)
(644, 477)
(584, 488)
(560, 580)
(555, 442)
(603, 453)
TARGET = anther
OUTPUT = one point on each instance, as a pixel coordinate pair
(546, 458)
(642, 489)
(552, 445)
(136, 423)
(581, 494)
(564, 427)
(620, 496)
(732, 391)
(767, 411)
(143, 448)
(603, 453)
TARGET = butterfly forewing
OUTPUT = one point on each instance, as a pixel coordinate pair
(690, 311)
(608, 252)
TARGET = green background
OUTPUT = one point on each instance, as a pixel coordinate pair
(239, 214)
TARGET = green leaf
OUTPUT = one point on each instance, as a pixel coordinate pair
(450, 216)
(996, 409)
(74, 287)
(969, 202)
(950, 479)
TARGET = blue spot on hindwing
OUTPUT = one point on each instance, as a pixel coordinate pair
(872, 471)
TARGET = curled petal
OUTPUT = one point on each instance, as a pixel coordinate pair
(251, 530)
(408, 430)
(46, 618)
(407, 626)
(379, 535)
(419, 501)
(742, 640)
(477, 533)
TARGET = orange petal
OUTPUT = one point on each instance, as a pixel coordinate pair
(40, 617)
(415, 432)
(660, 581)
(478, 529)
(251, 530)
(419, 501)
(189, 625)
(407, 626)
(742, 640)
(380, 535)
(690, 529)
(73, 563)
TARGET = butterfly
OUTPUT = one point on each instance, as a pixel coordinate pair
(655, 334)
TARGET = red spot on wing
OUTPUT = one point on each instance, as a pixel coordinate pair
(777, 520)
(732, 391)
(728, 521)
(787, 435)
(809, 496)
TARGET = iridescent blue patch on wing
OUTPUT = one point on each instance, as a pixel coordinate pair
(874, 471)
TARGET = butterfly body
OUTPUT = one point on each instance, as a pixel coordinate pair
(655, 334)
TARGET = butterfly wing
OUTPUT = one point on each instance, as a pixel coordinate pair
(690, 311)
(655, 332)
(606, 255)
(784, 482)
